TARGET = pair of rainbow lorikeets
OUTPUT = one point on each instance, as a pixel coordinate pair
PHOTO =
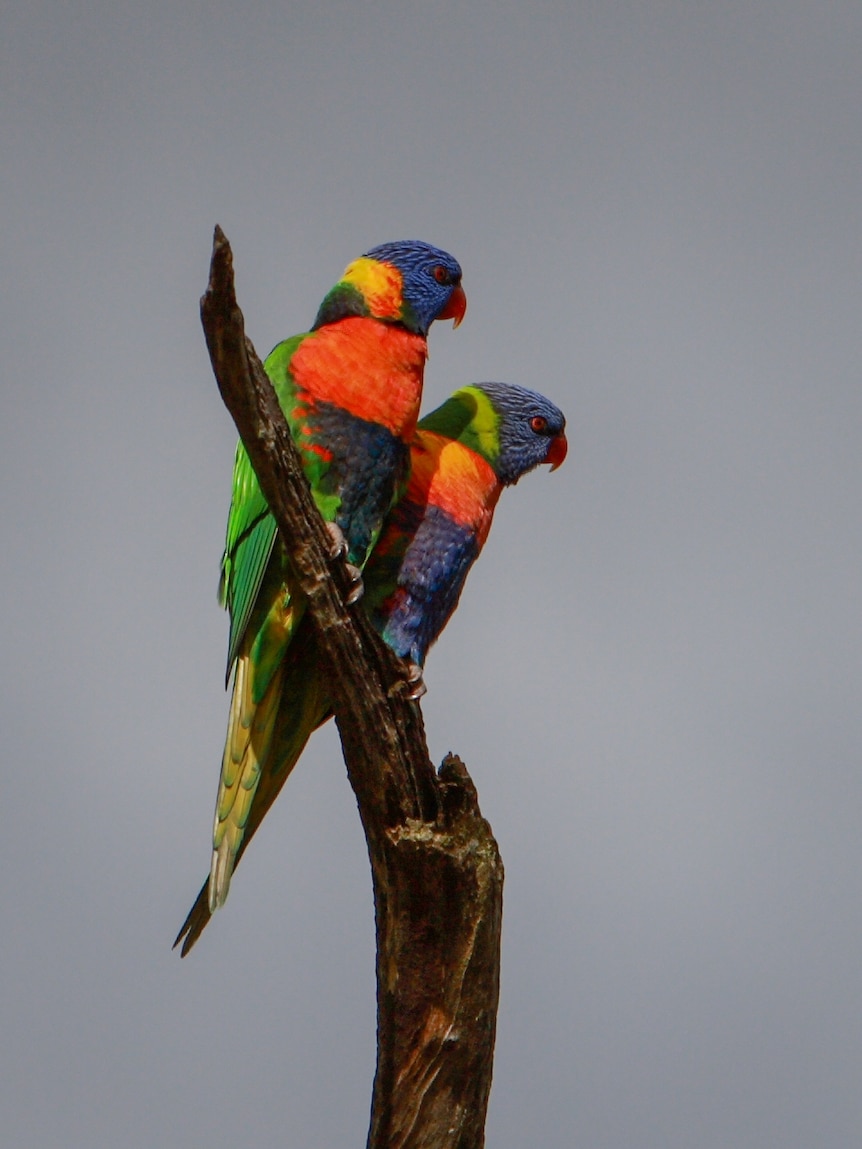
(410, 503)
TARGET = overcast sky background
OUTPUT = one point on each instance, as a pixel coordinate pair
(654, 672)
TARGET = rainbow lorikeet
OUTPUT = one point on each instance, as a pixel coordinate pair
(350, 390)
(482, 439)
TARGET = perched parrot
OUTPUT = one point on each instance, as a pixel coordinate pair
(350, 390)
(482, 439)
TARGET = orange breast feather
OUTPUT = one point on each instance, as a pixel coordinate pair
(373, 370)
(457, 480)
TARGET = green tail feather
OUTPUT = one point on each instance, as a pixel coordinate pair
(304, 706)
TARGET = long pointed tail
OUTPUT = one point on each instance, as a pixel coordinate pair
(247, 747)
(300, 705)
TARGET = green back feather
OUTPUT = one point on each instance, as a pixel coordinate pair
(251, 529)
(468, 417)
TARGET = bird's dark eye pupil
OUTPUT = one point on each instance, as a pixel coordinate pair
(441, 274)
(539, 424)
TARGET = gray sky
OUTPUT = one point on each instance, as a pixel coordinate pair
(654, 672)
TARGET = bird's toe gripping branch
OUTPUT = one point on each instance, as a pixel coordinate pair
(338, 550)
(339, 543)
(357, 586)
(409, 682)
(415, 681)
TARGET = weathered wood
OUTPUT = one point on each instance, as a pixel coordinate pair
(439, 913)
(435, 865)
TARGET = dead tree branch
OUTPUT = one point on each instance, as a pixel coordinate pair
(435, 866)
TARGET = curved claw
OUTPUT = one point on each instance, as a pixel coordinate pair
(409, 682)
(415, 681)
(357, 586)
(339, 543)
(338, 550)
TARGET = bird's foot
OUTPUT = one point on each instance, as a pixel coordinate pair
(357, 586)
(410, 682)
(339, 544)
(338, 550)
(415, 681)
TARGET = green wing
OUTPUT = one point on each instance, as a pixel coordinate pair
(251, 529)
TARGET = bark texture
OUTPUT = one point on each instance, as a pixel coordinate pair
(435, 866)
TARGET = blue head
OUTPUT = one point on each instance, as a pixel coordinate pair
(531, 430)
(408, 282)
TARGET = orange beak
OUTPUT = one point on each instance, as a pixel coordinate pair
(456, 308)
(557, 451)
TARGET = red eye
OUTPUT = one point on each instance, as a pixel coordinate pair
(441, 274)
(539, 424)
